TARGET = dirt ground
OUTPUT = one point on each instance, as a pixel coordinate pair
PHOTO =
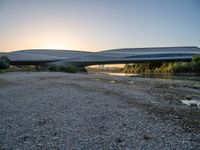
(45, 110)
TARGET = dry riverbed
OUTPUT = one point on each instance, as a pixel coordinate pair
(43, 110)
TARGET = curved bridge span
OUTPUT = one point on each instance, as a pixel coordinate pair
(114, 56)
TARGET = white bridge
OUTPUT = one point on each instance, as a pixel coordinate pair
(114, 56)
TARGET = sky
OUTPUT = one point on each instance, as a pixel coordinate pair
(95, 25)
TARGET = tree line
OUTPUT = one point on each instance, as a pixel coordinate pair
(164, 67)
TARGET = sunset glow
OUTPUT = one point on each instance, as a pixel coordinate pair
(92, 26)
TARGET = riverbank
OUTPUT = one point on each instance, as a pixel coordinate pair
(46, 110)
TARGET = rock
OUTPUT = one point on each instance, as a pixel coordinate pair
(40, 144)
(188, 98)
(55, 138)
(124, 124)
(147, 137)
(193, 105)
(25, 138)
(118, 140)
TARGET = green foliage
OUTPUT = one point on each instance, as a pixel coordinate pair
(29, 68)
(169, 67)
(63, 68)
(141, 68)
(196, 59)
(183, 67)
(21, 68)
(4, 62)
(52, 68)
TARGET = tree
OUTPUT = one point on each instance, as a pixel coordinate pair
(4, 62)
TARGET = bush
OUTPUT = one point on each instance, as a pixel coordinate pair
(4, 62)
(196, 68)
(69, 69)
(196, 58)
(183, 67)
(62, 68)
(52, 68)
(169, 67)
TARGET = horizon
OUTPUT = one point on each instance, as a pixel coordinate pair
(98, 25)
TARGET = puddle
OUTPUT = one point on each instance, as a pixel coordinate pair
(112, 81)
(191, 103)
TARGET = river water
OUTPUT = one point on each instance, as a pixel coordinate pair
(195, 77)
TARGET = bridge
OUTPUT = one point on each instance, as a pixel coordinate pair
(113, 56)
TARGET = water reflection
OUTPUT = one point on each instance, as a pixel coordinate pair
(195, 77)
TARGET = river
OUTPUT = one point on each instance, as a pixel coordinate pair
(195, 77)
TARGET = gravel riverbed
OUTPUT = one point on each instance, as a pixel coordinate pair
(45, 110)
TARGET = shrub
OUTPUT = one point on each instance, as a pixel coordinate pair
(63, 68)
(52, 67)
(4, 62)
(183, 67)
(196, 68)
(69, 69)
(196, 58)
(169, 67)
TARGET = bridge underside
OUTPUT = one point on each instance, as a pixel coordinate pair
(89, 63)
(115, 56)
